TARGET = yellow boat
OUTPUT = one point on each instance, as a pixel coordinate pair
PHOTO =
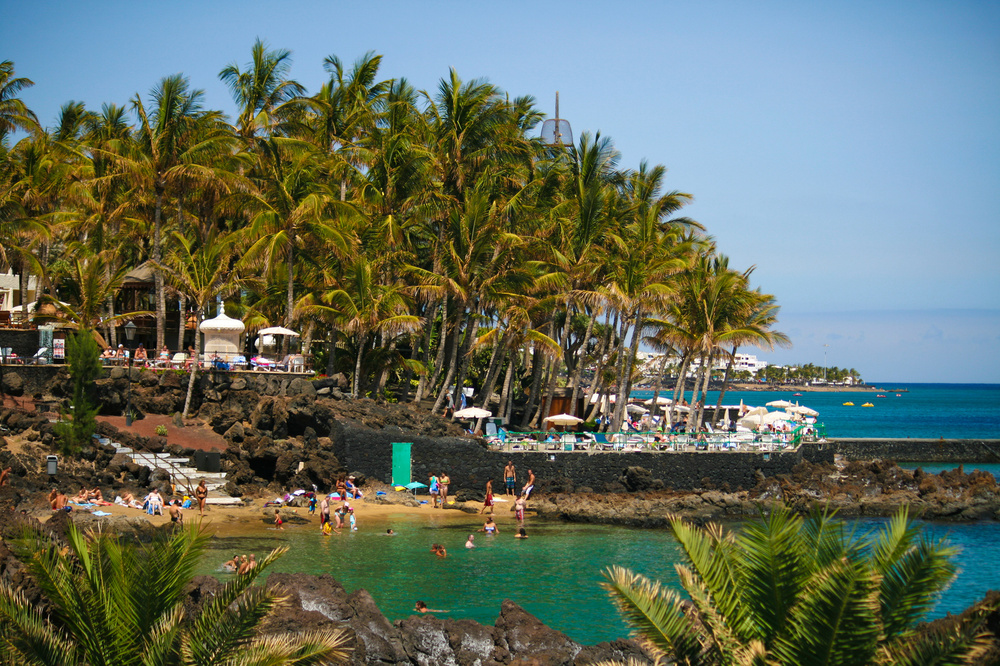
(848, 404)
(868, 404)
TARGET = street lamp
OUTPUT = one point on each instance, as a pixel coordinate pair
(130, 336)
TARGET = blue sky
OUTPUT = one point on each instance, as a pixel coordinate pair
(849, 150)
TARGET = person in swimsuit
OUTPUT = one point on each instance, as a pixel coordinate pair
(490, 527)
(201, 494)
(439, 550)
(434, 490)
(324, 512)
(342, 487)
(421, 607)
(277, 520)
(175, 512)
(510, 477)
(444, 482)
(529, 486)
(519, 509)
(521, 534)
(488, 503)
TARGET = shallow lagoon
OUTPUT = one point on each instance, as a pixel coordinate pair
(554, 574)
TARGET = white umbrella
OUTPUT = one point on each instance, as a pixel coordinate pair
(636, 409)
(751, 420)
(473, 413)
(563, 419)
(277, 330)
(802, 409)
(780, 404)
(756, 411)
(774, 417)
(660, 400)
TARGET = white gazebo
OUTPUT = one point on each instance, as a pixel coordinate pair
(222, 337)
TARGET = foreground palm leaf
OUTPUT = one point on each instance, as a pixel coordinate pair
(790, 590)
(112, 602)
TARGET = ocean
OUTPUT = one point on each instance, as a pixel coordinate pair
(951, 411)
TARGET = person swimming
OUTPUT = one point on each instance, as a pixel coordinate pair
(469, 544)
(421, 607)
(490, 527)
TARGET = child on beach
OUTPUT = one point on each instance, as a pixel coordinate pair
(350, 518)
(519, 509)
(312, 505)
(277, 519)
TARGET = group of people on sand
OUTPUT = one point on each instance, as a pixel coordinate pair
(438, 489)
(510, 480)
(335, 521)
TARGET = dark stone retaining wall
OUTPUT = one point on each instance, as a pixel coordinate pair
(469, 464)
(919, 450)
(36, 378)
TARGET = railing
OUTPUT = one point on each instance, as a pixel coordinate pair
(653, 441)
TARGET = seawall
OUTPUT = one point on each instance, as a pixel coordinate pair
(919, 450)
(470, 464)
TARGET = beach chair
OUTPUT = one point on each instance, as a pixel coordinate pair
(41, 357)
(178, 360)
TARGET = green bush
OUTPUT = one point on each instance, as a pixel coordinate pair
(77, 428)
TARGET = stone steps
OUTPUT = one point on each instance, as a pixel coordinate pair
(184, 477)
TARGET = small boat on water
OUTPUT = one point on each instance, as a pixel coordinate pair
(880, 396)
(848, 404)
(795, 395)
(868, 404)
(899, 395)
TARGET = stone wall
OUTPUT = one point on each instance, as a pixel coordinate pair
(919, 450)
(469, 464)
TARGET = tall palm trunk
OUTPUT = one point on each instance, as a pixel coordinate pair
(507, 394)
(537, 367)
(356, 384)
(578, 370)
(465, 356)
(452, 365)
(422, 385)
(658, 386)
(493, 370)
(290, 291)
(625, 369)
(725, 385)
(597, 386)
(161, 293)
(680, 385)
(554, 375)
(194, 364)
(181, 320)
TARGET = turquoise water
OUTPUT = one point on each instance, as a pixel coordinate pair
(951, 411)
(554, 574)
(937, 468)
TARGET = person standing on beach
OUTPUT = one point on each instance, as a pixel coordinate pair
(277, 520)
(443, 484)
(488, 502)
(175, 512)
(529, 486)
(510, 477)
(519, 509)
(324, 512)
(434, 489)
(201, 494)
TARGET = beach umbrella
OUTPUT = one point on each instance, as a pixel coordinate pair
(659, 400)
(802, 409)
(473, 413)
(751, 420)
(756, 411)
(563, 419)
(598, 396)
(780, 404)
(774, 417)
(636, 409)
(277, 330)
(413, 485)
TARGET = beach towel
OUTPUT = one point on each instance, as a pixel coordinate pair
(100, 513)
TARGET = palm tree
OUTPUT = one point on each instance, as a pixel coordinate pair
(14, 113)
(164, 146)
(111, 601)
(789, 590)
(202, 270)
(260, 90)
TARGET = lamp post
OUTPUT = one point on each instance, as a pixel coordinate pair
(130, 336)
